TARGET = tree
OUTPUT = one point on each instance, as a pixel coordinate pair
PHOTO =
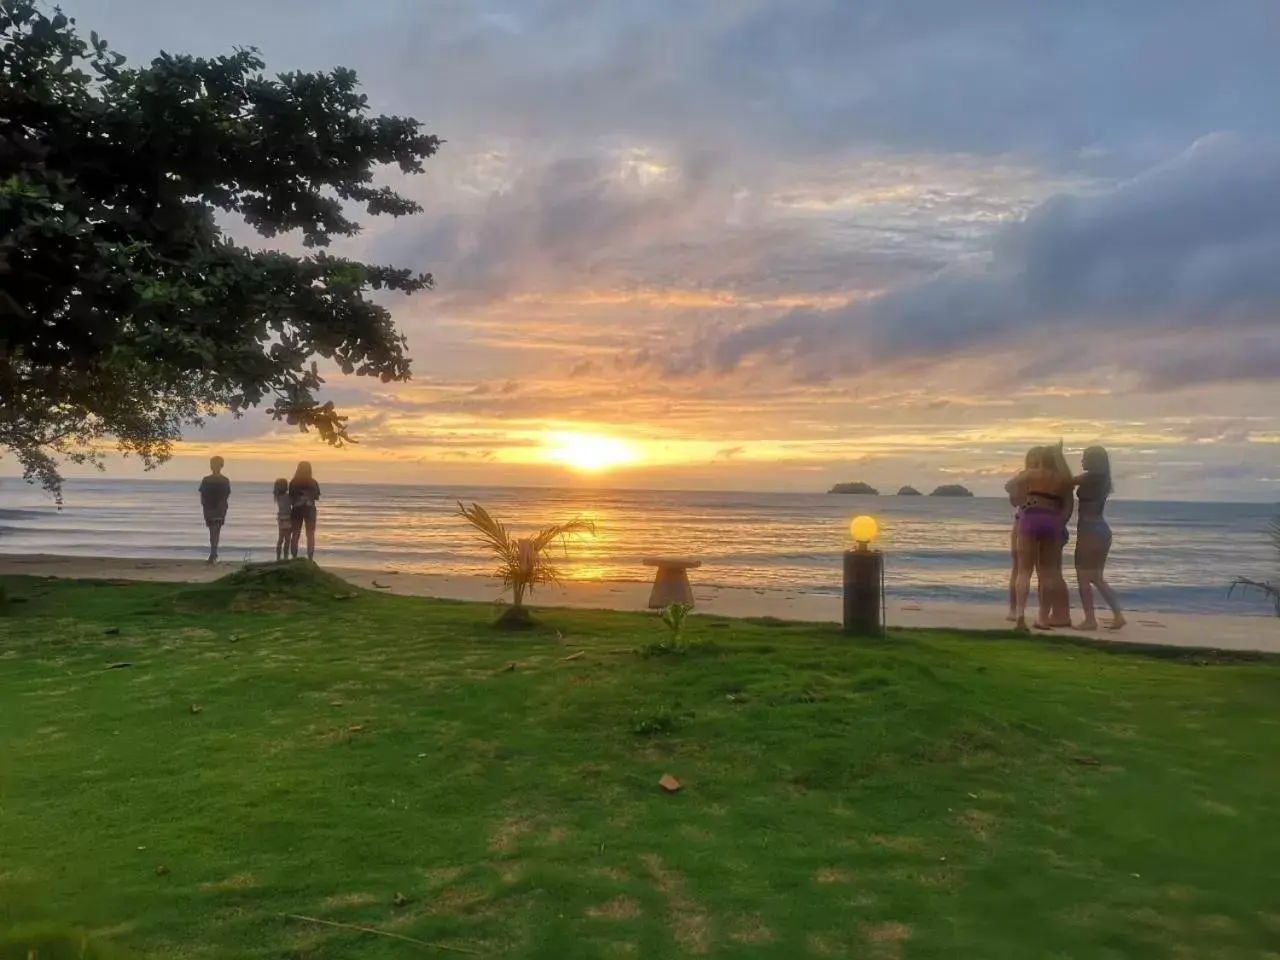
(126, 313)
(523, 563)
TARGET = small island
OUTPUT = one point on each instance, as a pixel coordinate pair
(952, 490)
(909, 492)
(860, 489)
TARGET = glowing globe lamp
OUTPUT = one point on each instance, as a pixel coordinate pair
(864, 581)
(864, 530)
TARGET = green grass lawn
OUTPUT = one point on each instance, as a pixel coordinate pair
(182, 767)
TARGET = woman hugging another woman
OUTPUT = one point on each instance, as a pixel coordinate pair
(1043, 490)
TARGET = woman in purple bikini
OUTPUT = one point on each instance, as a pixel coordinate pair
(1042, 491)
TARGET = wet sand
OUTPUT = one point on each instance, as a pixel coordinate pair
(1215, 631)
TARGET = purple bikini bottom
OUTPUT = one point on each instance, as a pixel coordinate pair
(1040, 523)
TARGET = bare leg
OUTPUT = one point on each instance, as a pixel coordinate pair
(282, 544)
(1049, 563)
(295, 532)
(1013, 577)
(215, 536)
(311, 534)
(1022, 586)
(1060, 607)
(1109, 595)
(1104, 588)
(1084, 579)
(1089, 558)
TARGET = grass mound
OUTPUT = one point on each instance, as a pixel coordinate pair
(265, 587)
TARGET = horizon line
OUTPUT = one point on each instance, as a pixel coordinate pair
(517, 486)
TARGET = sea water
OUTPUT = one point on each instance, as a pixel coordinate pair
(1166, 556)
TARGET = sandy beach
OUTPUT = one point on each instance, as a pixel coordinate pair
(1223, 632)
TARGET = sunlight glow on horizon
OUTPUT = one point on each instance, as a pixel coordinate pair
(587, 452)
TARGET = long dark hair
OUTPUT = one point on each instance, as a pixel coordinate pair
(281, 486)
(1096, 462)
(303, 473)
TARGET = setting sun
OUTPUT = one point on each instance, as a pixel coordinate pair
(587, 452)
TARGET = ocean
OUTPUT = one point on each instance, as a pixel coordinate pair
(1167, 556)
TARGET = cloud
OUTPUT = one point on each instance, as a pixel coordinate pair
(744, 222)
(1189, 245)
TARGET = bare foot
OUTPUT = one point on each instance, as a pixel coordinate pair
(1060, 623)
(1043, 626)
(1021, 626)
(1089, 625)
(1012, 617)
(1117, 622)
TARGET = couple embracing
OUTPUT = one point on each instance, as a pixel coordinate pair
(1043, 494)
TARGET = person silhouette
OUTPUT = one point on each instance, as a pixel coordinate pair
(303, 494)
(215, 491)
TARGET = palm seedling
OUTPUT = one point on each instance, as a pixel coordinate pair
(524, 563)
(1269, 589)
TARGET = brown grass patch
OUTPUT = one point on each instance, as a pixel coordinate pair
(619, 908)
(692, 925)
(978, 823)
(887, 932)
(508, 834)
(611, 873)
(1216, 923)
(460, 900)
(340, 901)
(886, 938)
(1082, 914)
(832, 875)
(620, 948)
(902, 844)
(824, 946)
(1221, 809)
(193, 633)
(240, 881)
(751, 930)
(557, 835)
(440, 876)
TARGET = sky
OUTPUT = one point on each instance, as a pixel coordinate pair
(776, 244)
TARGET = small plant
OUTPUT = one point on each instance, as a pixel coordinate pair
(674, 617)
(1269, 589)
(523, 563)
(661, 722)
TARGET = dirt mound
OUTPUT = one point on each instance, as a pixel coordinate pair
(284, 585)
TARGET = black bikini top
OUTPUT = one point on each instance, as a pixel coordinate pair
(1044, 496)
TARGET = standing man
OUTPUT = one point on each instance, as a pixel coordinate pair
(215, 491)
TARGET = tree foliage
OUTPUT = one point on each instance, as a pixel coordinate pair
(126, 312)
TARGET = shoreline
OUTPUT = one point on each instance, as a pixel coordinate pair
(1216, 631)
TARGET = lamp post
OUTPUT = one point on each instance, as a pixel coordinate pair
(864, 581)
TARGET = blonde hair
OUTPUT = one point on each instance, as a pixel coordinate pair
(1057, 460)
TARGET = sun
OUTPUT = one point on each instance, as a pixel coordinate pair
(587, 452)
